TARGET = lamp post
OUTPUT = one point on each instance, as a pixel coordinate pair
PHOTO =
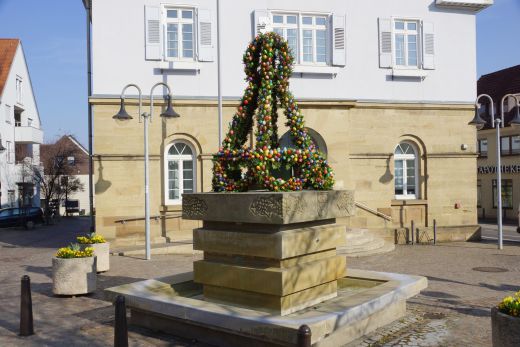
(122, 115)
(497, 123)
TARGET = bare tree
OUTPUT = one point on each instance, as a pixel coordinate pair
(56, 163)
(68, 186)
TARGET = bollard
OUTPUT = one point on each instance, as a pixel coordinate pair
(120, 326)
(434, 232)
(26, 314)
(412, 231)
(304, 336)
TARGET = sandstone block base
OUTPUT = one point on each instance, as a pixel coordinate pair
(274, 252)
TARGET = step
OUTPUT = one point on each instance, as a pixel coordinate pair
(353, 233)
(388, 247)
(373, 245)
(360, 240)
(358, 237)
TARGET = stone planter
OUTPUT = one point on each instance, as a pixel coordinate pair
(73, 276)
(102, 252)
(505, 329)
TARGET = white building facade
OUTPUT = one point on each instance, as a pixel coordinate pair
(386, 87)
(20, 129)
(376, 51)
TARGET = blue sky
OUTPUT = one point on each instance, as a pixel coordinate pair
(53, 36)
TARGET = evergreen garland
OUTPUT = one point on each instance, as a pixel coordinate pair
(268, 67)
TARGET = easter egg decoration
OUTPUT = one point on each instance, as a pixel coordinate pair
(236, 168)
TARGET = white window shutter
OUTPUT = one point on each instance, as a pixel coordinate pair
(428, 46)
(153, 40)
(338, 40)
(205, 37)
(385, 43)
(262, 22)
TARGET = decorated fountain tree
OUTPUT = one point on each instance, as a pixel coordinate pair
(268, 66)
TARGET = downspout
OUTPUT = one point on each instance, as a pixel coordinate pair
(88, 9)
(219, 78)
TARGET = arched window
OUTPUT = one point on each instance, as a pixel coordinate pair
(180, 171)
(316, 138)
(406, 163)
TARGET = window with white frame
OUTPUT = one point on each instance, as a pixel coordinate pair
(406, 171)
(406, 43)
(314, 39)
(286, 25)
(19, 90)
(179, 33)
(180, 171)
(306, 35)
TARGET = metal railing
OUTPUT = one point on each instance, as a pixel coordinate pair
(371, 210)
(156, 218)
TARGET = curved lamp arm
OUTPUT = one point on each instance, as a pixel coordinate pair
(140, 96)
(517, 108)
(151, 95)
(492, 112)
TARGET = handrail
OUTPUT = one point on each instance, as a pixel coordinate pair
(377, 213)
(157, 217)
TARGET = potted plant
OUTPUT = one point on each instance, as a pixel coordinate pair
(74, 271)
(505, 322)
(101, 249)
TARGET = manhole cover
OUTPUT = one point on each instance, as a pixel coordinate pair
(490, 269)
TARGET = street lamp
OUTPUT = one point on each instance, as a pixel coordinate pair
(123, 115)
(497, 123)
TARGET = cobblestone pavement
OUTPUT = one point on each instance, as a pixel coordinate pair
(455, 308)
(71, 321)
(452, 311)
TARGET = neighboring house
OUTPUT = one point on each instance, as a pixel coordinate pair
(20, 128)
(497, 85)
(77, 162)
(386, 87)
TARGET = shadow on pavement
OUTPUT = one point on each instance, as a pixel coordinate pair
(46, 236)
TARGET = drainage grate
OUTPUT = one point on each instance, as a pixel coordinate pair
(490, 269)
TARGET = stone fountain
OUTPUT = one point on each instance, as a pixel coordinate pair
(270, 262)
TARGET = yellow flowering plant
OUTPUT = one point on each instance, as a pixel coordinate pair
(510, 305)
(91, 238)
(74, 251)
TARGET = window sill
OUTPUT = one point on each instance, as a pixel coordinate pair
(316, 69)
(171, 207)
(417, 73)
(179, 65)
(402, 202)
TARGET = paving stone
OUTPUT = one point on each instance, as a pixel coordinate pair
(452, 311)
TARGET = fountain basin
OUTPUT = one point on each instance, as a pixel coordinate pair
(365, 301)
